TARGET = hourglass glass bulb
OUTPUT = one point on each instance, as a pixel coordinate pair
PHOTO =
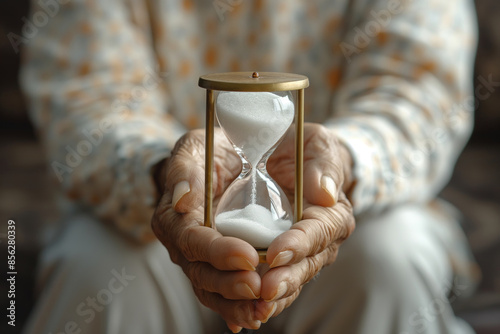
(254, 122)
(254, 207)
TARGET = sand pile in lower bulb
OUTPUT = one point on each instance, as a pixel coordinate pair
(254, 224)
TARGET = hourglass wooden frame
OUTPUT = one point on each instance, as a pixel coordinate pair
(253, 82)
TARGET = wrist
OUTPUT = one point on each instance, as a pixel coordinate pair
(348, 166)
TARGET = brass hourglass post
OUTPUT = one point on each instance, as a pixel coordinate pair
(253, 82)
(299, 155)
(209, 156)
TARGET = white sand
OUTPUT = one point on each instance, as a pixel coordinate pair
(254, 224)
(254, 121)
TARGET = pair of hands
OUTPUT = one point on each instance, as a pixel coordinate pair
(222, 269)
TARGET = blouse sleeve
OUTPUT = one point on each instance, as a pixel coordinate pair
(98, 101)
(405, 103)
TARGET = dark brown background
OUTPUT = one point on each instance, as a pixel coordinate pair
(26, 197)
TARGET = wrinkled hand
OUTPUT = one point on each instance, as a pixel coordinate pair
(297, 255)
(222, 269)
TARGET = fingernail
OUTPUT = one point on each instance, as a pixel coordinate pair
(245, 291)
(330, 187)
(280, 292)
(180, 189)
(240, 263)
(282, 259)
(275, 306)
(234, 328)
(255, 324)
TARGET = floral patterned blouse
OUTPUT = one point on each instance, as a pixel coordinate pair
(113, 84)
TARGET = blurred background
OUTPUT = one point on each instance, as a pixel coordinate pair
(26, 193)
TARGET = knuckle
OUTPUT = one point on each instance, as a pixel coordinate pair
(339, 222)
(192, 136)
(176, 257)
(314, 265)
(322, 229)
(286, 302)
(350, 225)
(190, 144)
(326, 235)
(348, 221)
(242, 311)
(319, 138)
(195, 243)
(331, 254)
(300, 235)
(195, 271)
(317, 129)
(160, 224)
(188, 247)
(293, 296)
(237, 311)
(206, 298)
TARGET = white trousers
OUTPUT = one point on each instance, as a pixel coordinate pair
(393, 275)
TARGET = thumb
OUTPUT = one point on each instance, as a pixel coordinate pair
(187, 195)
(185, 176)
(323, 182)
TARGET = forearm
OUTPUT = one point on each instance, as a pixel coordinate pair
(98, 100)
(402, 113)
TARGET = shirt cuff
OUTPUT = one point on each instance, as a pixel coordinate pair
(366, 155)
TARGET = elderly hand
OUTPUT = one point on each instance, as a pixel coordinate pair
(222, 269)
(297, 255)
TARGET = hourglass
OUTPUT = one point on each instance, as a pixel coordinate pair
(254, 111)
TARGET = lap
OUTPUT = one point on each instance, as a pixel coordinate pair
(95, 280)
(392, 275)
(388, 277)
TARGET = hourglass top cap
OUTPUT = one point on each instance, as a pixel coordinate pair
(253, 81)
